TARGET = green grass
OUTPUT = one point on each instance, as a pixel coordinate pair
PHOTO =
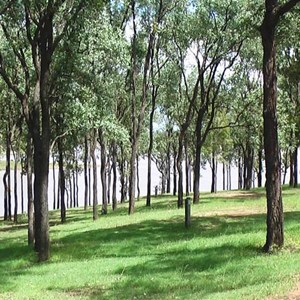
(150, 255)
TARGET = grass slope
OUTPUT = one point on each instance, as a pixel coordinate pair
(150, 255)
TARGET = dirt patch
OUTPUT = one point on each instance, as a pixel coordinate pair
(232, 213)
(241, 195)
(294, 294)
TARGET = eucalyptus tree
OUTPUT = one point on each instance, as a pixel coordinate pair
(146, 19)
(289, 101)
(274, 11)
(34, 31)
(213, 40)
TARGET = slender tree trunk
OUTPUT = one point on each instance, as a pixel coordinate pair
(214, 174)
(179, 169)
(187, 169)
(30, 202)
(16, 186)
(114, 169)
(240, 173)
(86, 188)
(224, 176)
(150, 148)
(76, 178)
(108, 174)
(5, 197)
(248, 166)
(260, 168)
(54, 180)
(74, 187)
(22, 191)
(132, 178)
(197, 167)
(295, 154)
(174, 173)
(58, 192)
(138, 178)
(169, 163)
(62, 181)
(291, 182)
(94, 161)
(8, 184)
(103, 172)
(70, 190)
(89, 177)
(285, 166)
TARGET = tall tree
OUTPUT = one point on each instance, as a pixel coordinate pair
(274, 11)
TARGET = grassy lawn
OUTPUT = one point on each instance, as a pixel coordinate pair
(150, 255)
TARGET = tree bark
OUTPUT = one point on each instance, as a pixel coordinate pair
(138, 178)
(179, 169)
(174, 172)
(114, 169)
(295, 175)
(275, 234)
(86, 187)
(30, 202)
(16, 156)
(260, 168)
(54, 180)
(94, 162)
(7, 186)
(103, 172)
(62, 181)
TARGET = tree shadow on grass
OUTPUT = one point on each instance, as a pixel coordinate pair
(145, 237)
(161, 247)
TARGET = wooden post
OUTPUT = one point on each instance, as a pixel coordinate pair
(187, 212)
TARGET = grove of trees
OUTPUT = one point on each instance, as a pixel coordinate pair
(178, 83)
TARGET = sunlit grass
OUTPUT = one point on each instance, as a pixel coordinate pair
(150, 254)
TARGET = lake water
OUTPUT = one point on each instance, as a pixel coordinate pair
(205, 184)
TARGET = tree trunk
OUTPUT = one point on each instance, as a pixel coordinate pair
(295, 175)
(70, 205)
(16, 156)
(5, 197)
(94, 162)
(273, 172)
(138, 178)
(103, 172)
(62, 180)
(54, 181)
(260, 168)
(114, 169)
(30, 202)
(89, 176)
(224, 176)
(22, 190)
(248, 166)
(108, 174)
(132, 178)
(291, 182)
(169, 163)
(187, 170)
(86, 187)
(174, 172)
(197, 166)
(240, 173)
(214, 174)
(8, 182)
(179, 169)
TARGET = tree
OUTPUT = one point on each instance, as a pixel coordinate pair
(42, 26)
(273, 13)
